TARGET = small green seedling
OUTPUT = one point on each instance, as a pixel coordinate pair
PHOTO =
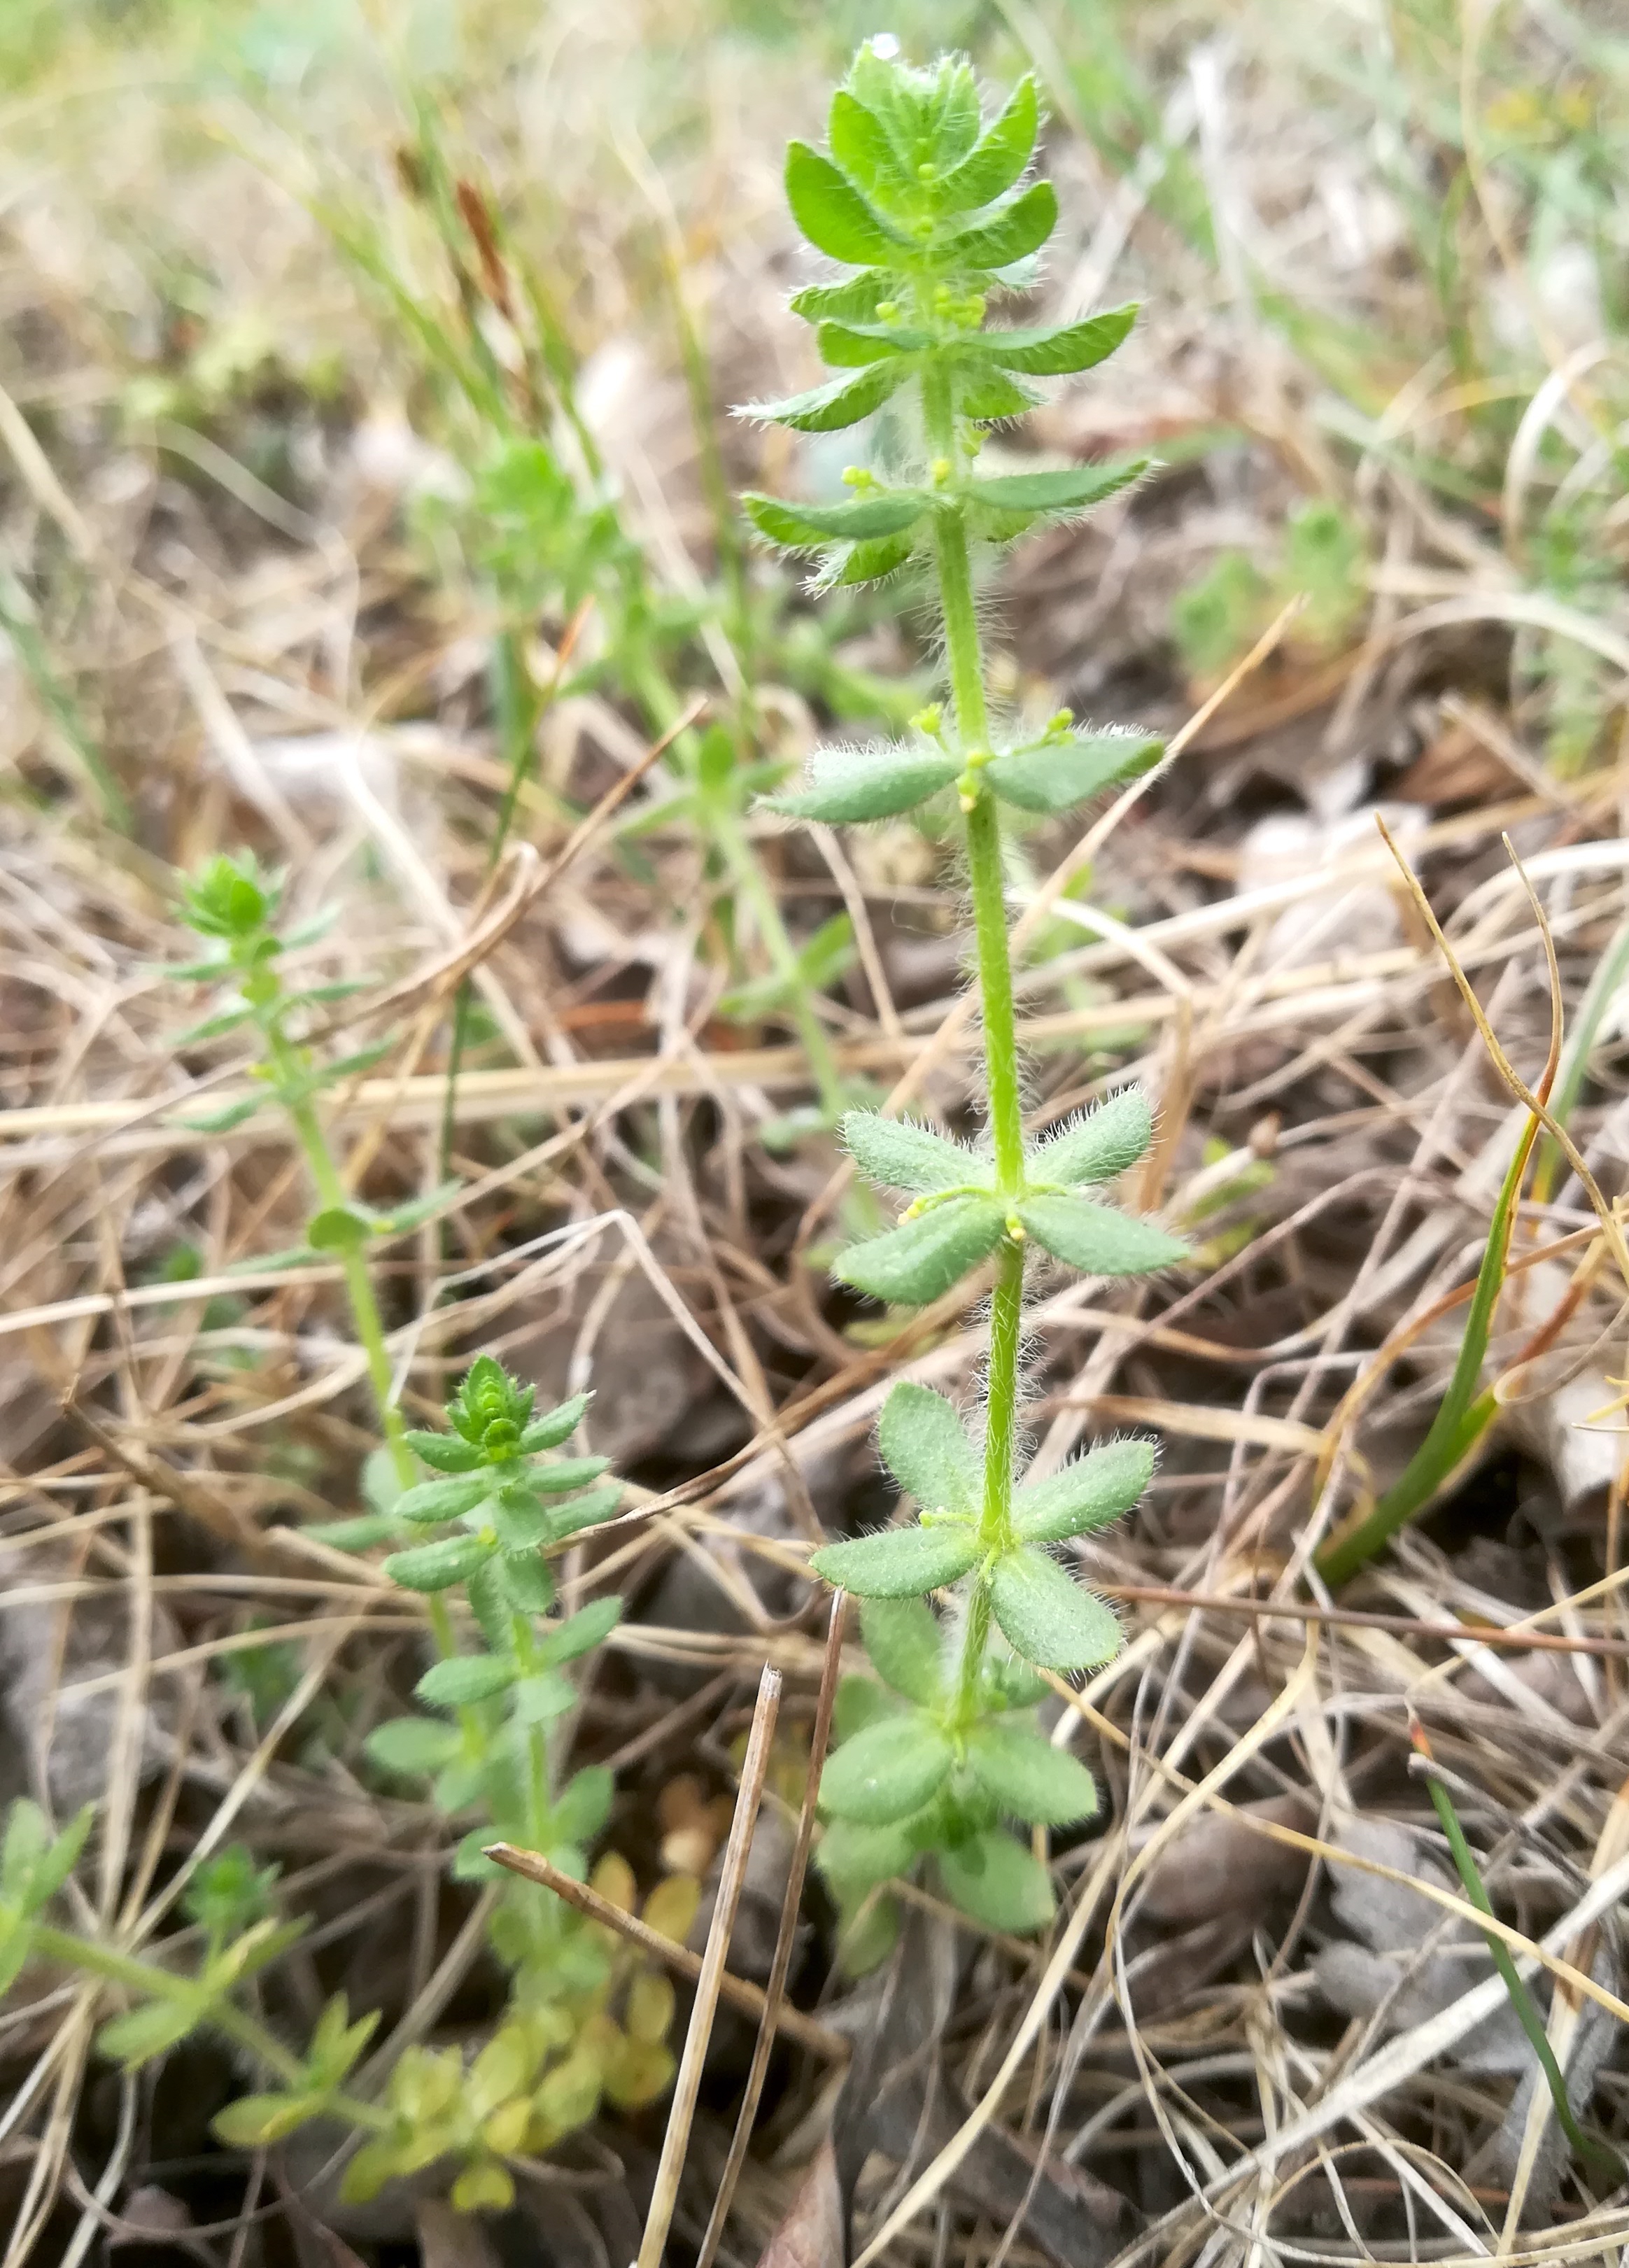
(586, 2022)
(928, 202)
(233, 904)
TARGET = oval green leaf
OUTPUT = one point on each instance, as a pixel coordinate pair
(1056, 774)
(922, 1258)
(1099, 1145)
(1101, 1486)
(1030, 1778)
(1096, 1238)
(438, 1566)
(896, 1154)
(847, 786)
(898, 1563)
(833, 215)
(924, 1446)
(906, 1645)
(1046, 1616)
(998, 1883)
(887, 1772)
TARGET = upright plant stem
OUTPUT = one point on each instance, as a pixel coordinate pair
(995, 987)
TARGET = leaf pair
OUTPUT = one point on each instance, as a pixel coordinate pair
(854, 785)
(893, 1769)
(927, 1255)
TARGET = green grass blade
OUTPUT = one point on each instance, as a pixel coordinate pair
(1463, 1415)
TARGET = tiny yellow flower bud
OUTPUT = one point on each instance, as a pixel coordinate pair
(1016, 1228)
(939, 471)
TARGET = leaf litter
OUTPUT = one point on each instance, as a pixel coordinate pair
(1264, 2050)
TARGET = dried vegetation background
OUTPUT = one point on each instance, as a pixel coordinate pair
(1382, 253)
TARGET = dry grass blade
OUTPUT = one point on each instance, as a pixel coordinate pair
(675, 2141)
(786, 1935)
(740, 1992)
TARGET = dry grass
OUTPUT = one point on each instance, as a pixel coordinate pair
(1264, 2029)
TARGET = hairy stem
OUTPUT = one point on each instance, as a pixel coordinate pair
(995, 986)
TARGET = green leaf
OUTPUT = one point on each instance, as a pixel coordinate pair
(382, 1489)
(833, 215)
(583, 1805)
(870, 562)
(996, 1880)
(860, 1702)
(222, 1121)
(906, 1647)
(137, 2038)
(1099, 1145)
(808, 526)
(527, 1584)
(855, 346)
(886, 1772)
(339, 1228)
(437, 1500)
(215, 1027)
(1030, 1778)
(581, 1632)
(922, 1258)
(1017, 230)
(841, 402)
(444, 1453)
(924, 1446)
(584, 1511)
(1059, 352)
(403, 1217)
(896, 1154)
(358, 1535)
(1055, 775)
(555, 1426)
(987, 395)
(522, 1523)
(1013, 1684)
(854, 300)
(255, 2120)
(860, 144)
(413, 1747)
(544, 1695)
(438, 1566)
(854, 1859)
(998, 159)
(898, 1563)
(33, 1863)
(1068, 489)
(465, 1678)
(570, 1473)
(1045, 1615)
(1096, 1238)
(1101, 1486)
(850, 785)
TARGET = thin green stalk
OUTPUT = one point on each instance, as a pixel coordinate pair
(152, 1983)
(995, 986)
(1521, 1999)
(748, 878)
(365, 1316)
(515, 710)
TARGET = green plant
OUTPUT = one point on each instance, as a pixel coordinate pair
(586, 2020)
(928, 202)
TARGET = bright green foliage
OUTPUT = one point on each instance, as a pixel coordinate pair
(587, 2023)
(928, 198)
(232, 903)
(33, 1866)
